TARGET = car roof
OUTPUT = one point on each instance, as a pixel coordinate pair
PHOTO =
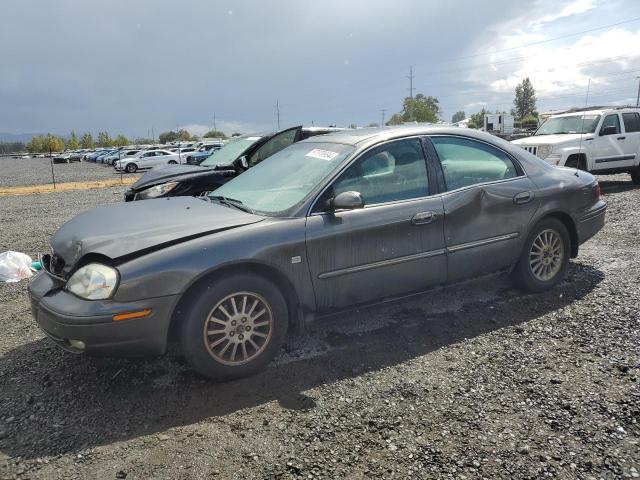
(364, 135)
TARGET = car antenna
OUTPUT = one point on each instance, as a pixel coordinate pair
(586, 102)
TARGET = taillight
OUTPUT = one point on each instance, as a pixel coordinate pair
(596, 190)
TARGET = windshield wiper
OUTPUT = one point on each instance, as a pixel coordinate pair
(231, 202)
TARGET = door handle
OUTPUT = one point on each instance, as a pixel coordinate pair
(423, 218)
(621, 138)
(522, 198)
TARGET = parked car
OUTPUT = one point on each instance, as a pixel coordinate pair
(103, 154)
(239, 154)
(68, 156)
(600, 140)
(112, 158)
(203, 153)
(146, 159)
(327, 223)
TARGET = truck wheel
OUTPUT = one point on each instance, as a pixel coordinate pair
(234, 327)
(131, 168)
(545, 257)
(635, 175)
(172, 162)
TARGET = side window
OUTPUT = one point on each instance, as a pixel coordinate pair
(273, 145)
(468, 162)
(611, 121)
(631, 122)
(395, 171)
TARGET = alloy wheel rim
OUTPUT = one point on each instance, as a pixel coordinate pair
(546, 255)
(238, 328)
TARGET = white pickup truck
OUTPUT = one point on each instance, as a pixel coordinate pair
(601, 141)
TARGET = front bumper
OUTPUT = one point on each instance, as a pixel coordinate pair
(592, 221)
(64, 317)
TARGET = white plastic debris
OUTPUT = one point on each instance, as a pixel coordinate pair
(14, 266)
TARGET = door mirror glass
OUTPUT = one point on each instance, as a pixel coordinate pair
(347, 201)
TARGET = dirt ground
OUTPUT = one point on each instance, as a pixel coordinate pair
(475, 380)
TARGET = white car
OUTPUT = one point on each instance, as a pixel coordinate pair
(114, 157)
(601, 141)
(146, 159)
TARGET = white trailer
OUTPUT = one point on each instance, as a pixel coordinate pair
(501, 123)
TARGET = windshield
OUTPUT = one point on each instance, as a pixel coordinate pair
(569, 124)
(283, 180)
(227, 154)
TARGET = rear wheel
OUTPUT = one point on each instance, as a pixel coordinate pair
(235, 326)
(635, 175)
(131, 168)
(545, 257)
(172, 162)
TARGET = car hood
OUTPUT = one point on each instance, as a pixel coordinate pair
(170, 172)
(136, 228)
(552, 139)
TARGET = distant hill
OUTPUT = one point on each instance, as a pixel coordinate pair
(17, 137)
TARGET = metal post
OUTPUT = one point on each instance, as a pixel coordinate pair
(638, 97)
(53, 176)
(119, 158)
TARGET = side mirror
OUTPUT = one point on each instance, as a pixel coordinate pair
(347, 201)
(241, 163)
(609, 130)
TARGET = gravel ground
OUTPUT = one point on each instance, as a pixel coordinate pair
(473, 381)
(36, 171)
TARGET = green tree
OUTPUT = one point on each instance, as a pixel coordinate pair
(52, 143)
(456, 117)
(477, 119)
(104, 140)
(143, 141)
(166, 137)
(525, 102)
(419, 109)
(183, 135)
(120, 141)
(35, 145)
(373, 125)
(529, 121)
(215, 134)
(353, 125)
(86, 141)
(72, 141)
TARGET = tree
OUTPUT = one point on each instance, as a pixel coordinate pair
(419, 109)
(104, 140)
(183, 135)
(525, 101)
(52, 143)
(72, 142)
(477, 119)
(215, 134)
(120, 141)
(459, 115)
(236, 134)
(86, 141)
(11, 147)
(166, 137)
(353, 125)
(373, 125)
(35, 145)
(143, 141)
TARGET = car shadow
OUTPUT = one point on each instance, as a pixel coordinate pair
(63, 403)
(617, 186)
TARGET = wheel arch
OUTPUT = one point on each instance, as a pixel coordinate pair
(579, 158)
(570, 224)
(268, 272)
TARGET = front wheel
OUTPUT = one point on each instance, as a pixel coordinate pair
(131, 168)
(172, 162)
(545, 257)
(635, 175)
(234, 327)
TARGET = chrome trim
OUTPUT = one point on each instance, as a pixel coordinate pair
(383, 263)
(480, 243)
(620, 158)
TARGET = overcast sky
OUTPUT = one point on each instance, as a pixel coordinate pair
(127, 66)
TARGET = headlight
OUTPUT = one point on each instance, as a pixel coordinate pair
(157, 191)
(544, 151)
(93, 282)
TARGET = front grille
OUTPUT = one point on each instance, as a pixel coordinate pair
(531, 149)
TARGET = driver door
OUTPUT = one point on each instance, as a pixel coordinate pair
(392, 246)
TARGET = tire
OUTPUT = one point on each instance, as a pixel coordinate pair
(536, 270)
(635, 175)
(172, 162)
(210, 354)
(131, 168)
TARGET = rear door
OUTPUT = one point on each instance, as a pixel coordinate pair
(609, 148)
(631, 124)
(392, 246)
(488, 204)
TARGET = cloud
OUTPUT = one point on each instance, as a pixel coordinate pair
(227, 126)
(574, 8)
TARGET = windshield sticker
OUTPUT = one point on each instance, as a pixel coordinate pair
(253, 138)
(322, 154)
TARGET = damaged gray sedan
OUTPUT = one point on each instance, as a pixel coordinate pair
(350, 218)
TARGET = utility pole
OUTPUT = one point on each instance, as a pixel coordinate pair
(638, 97)
(410, 77)
(382, 110)
(278, 113)
(214, 122)
(153, 135)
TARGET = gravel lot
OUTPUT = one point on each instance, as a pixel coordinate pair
(36, 171)
(473, 381)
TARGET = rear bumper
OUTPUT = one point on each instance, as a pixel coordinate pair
(592, 221)
(66, 318)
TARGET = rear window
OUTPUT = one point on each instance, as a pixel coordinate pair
(631, 122)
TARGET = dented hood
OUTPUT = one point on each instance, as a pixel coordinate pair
(123, 229)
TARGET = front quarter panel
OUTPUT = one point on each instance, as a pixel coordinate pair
(274, 243)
